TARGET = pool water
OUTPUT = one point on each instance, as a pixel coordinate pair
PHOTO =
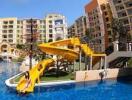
(106, 90)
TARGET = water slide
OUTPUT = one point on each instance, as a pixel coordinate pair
(34, 74)
(89, 52)
(50, 48)
(55, 48)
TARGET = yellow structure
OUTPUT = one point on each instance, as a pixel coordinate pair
(56, 48)
(34, 75)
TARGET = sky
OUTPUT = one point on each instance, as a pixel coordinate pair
(72, 9)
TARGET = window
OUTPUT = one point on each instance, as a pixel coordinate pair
(41, 21)
(108, 25)
(109, 32)
(131, 19)
(4, 40)
(122, 14)
(50, 35)
(10, 31)
(28, 26)
(103, 7)
(50, 26)
(128, 4)
(11, 22)
(110, 39)
(50, 16)
(107, 19)
(10, 26)
(5, 22)
(18, 31)
(50, 31)
(28, 30)
(34, 22)
(99, 34)
(120, 7)
(18, 22)
(105, 13)
(50, 21)
(4, 36)
(10, 40)
(125, 21)
(129, 12)
(116, 1)
(50, 40)
(4, 31)
(10, 35)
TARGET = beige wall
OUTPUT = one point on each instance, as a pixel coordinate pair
(94, 74)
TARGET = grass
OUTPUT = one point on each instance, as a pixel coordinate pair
(130, 63)
(51, 76)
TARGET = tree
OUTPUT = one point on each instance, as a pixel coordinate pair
(119, 33)
(19, 46)
(36, 53)
(88, 33)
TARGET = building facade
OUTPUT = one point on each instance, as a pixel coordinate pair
(122, 9)
(56, 27)
(99, 17)
(18, 31)
(71, 31)
(8, 30)
(78, 29)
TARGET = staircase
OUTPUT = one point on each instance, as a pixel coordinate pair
(117, 57)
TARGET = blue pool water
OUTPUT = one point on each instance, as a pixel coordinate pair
(107, 90)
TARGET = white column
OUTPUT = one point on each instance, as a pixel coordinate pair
(105, 65)
(91, 60)
(74, 63)
(101, 63)
(80, 59)
(116, 46)
(130, 46)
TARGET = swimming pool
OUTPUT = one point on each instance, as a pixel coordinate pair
(107, 90)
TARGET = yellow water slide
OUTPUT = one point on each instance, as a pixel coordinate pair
(50, 48)
(60, 48)
(55, 48)
(96, 57)
(34, 75)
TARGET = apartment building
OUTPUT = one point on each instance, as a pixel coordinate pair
(26, 28)
(78, 28)
(18, 31)
(99, 17)
(8, 33)
(71, 31)
(56, 27)
(122, 9)
(8, 30)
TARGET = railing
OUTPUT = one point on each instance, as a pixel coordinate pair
(122, 46)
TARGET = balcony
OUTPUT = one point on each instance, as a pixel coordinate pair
(128, 4)
(122, 14)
